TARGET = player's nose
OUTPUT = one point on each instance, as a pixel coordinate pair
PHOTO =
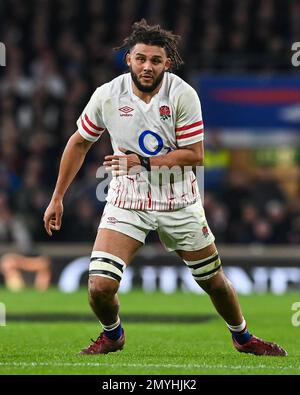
(147, 66)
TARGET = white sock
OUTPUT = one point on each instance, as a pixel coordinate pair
(238, 328)
(111, 327)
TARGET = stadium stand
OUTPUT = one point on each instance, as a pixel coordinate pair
(59, 51)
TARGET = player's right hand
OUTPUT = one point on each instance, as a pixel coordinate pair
(53, 216)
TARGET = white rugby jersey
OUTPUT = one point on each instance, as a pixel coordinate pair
(171, 120)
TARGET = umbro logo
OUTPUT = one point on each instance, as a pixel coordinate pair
(126, 111)
(112, 220)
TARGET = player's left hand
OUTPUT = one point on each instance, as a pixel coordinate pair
(121, 165)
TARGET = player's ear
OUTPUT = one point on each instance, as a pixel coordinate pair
(168, 64)
(127, 58)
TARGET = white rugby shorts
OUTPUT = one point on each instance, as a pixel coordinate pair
(183, 229)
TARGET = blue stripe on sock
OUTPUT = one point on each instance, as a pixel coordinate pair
(115, 334)
(241, 338)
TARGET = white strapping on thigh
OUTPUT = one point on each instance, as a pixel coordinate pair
(203, 269)
(106, 265)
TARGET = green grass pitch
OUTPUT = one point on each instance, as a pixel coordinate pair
(178, 347)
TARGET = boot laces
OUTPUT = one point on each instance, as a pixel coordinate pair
(96, 343)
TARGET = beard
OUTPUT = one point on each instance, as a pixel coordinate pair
(146, 88)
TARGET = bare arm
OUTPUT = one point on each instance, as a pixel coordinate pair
(71, 161)
(190, 155)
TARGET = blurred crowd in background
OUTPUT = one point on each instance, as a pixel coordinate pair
(59, 51)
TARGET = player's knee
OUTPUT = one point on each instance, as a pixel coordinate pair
(218, 285)
(105, 273)
(205, 269)
(101, 288)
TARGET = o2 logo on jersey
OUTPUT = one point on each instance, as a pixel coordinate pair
(159, 140)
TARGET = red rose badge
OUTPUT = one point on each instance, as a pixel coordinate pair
(205, 231)
(164, 112)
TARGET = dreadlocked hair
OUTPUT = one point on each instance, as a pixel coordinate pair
(153, 35)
